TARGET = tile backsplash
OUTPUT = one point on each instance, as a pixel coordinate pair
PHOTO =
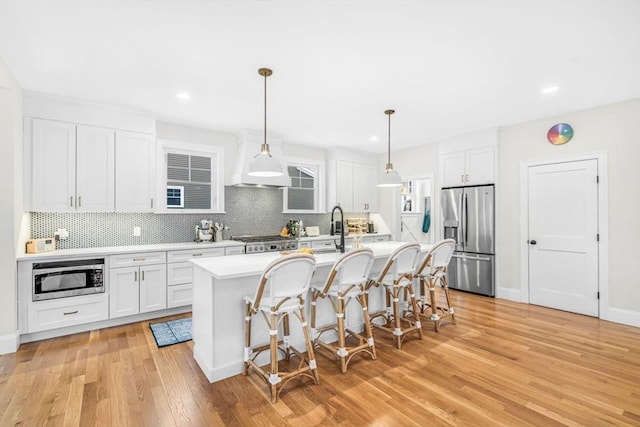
(249, 210)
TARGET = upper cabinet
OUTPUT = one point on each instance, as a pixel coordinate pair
(470, 167)
(72, 167)
(81, 157)
(352, 186)
(135, 172)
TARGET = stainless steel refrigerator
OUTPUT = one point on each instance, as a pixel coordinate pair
(468, 218)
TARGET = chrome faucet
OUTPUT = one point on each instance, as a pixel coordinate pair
(340, 246)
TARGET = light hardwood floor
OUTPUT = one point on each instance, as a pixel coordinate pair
(504, 363)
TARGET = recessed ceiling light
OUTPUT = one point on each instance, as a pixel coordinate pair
(183, 95)
(550, 89)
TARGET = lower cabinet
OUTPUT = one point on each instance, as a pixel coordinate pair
(59, 313)
(140, 287)
(180, 274)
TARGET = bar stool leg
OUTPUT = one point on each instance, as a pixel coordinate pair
(434, 305)
(397, 325)
(274, 378)
(314, 298)
(415, 310)
(445, 286)
(368, 333)
(247, 338)
(286, 336)
(310, 353)
(342, 340)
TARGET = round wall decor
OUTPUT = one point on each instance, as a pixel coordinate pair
(560, 134)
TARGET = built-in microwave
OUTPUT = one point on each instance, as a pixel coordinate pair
(61, 279)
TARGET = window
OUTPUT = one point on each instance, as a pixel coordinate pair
(192, 178)
(306, 192)
(175, 196)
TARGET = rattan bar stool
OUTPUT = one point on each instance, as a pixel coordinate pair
(280, 295)
(432, 272)
(345, 282)
(397, 280)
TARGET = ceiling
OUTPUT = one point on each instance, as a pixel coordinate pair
(446, 67)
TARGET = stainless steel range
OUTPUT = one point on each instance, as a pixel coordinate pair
(257, 244)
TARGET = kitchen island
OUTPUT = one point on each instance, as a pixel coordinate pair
(219, 288)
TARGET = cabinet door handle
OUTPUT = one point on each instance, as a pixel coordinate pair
(196, 254)
(70, 312)
(79, 201)
(462, 178)
(70, 201)
(135, 276)
(139, 259)
(152, 203)
(467, 177)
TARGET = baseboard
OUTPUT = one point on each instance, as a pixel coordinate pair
(509, 294)
(9, 343)
(619, 315)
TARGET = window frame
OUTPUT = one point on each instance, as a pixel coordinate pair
(319, 185)
(216, 154)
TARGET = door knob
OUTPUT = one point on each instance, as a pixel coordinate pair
(533, 242)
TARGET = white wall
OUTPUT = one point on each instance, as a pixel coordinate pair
(613, 128)
(414, 162)
(11, 215)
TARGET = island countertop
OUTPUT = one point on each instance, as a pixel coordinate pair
(235, 266)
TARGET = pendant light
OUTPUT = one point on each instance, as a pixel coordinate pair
(389, 178)
(264, 164)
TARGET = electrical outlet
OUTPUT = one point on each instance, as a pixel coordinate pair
(136, 231)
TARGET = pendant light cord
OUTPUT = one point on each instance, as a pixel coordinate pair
(265, 111)
(389, 140)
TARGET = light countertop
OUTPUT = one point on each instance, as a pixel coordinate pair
(111, 250)
(254, 264)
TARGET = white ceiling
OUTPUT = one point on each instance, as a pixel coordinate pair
(446, 67)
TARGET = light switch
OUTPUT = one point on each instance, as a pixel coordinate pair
(136, 231)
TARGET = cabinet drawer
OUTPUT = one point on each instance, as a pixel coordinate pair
(179, 295)
(234, 250)
(47, 315)
(323, 244)
(187, 254)
(179, 273)
(141, 258)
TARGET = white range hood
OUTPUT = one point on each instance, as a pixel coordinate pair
(249, 142)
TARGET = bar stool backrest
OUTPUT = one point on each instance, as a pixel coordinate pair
(403, 261)
(285, 278)
(437, 259)
(351, 269)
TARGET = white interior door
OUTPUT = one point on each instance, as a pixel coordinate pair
(563, 227)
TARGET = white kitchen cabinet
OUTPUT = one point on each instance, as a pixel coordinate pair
(63, 312)
(365, 192)
(375, 238)
(137, 284)
(234, 250)
(356, 187)
(135, 172)
(471, 167)
(72, 167)
(180, 274)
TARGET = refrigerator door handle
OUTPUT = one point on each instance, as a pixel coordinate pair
(461, 227)
(466, 219)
